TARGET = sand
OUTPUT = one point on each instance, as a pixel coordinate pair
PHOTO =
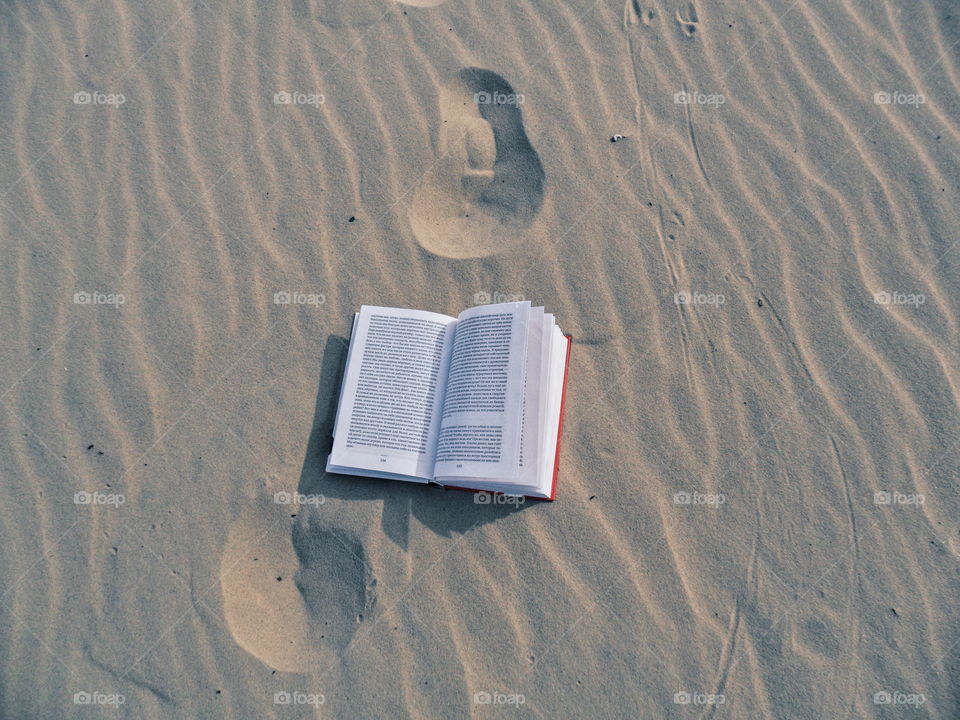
(757, 511)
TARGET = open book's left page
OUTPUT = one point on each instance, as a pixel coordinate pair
(390, 404)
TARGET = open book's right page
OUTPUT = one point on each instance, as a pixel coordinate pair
(480, 424)
(535, 397)
(542, 400)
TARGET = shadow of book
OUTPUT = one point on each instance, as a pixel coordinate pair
(446, 512)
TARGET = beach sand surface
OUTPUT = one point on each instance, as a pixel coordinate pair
(757, 511)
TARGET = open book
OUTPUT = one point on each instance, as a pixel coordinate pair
(473, 402)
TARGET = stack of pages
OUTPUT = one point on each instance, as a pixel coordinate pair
(472, 402)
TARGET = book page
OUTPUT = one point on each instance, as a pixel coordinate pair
(533, 396)
(551, 425)
(554, 351)
(480, 425)
(389, 414)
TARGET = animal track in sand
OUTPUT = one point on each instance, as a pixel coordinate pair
(634, 13)
(688, 21)
(488, 182)
(294, 590)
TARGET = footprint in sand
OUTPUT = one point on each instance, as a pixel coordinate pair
(294, 593)
(336, 13)
(488, 182)
(345, 13)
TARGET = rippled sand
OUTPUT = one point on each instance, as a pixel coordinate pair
(757, 513)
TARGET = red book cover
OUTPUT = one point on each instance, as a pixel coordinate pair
(563, 400)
